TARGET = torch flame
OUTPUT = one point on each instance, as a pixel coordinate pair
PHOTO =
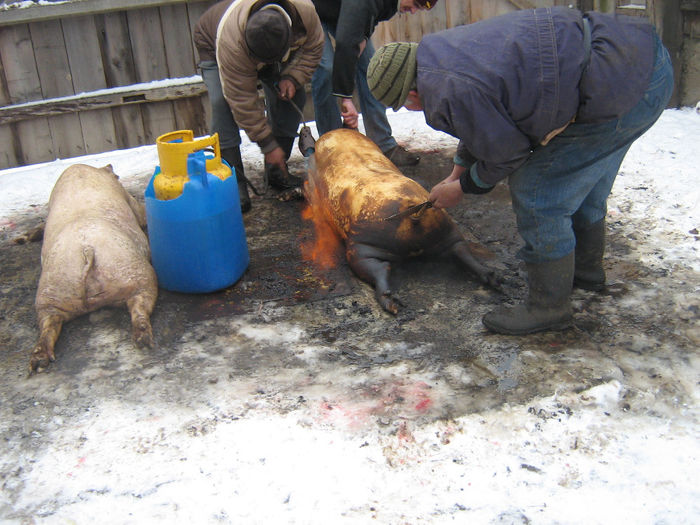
(324, 248)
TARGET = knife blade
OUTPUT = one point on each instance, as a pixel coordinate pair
(411, 210)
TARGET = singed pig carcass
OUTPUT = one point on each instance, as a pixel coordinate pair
(356, 188)
(94, 254)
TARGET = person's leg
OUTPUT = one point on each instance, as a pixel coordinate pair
(223, 123)
(374, 117)
(589, 219)
(562, 187)
(284, 120)
(326, 109)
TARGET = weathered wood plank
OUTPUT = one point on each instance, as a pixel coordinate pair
(35, 139)
(98, 131)
(31, 140)
(150, 64)
(523, 4)
(87, 72)
(43, 12)
(8, 158)
(158, 118)
(189, 114)
(179, 52)
(118, 62)
(17, 56)
(108, 99)
(147, 45)
(456, 13)
(51, 58)
(84, 55)
(52, 67)
(128, 126)
(194, 11)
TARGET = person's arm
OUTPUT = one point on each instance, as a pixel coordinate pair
(356, 22)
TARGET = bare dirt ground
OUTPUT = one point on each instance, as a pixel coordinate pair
(289, 338)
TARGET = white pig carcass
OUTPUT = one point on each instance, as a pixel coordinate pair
(95, 253)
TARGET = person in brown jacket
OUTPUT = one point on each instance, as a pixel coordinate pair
(241, 43)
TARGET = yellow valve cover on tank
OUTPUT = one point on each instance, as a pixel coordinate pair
(173, 149)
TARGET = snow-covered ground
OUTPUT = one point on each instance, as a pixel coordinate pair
(572, 457)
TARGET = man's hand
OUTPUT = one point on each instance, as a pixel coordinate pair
(455, 175)
(349, 113)
(277, 157)
(287, 89)
(446, 194)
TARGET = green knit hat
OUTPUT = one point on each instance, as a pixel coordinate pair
(391, 73)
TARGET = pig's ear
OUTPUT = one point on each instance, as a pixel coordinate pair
(109, 168)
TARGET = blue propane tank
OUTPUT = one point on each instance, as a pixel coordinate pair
(197, 239)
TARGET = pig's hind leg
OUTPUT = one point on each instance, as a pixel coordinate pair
(50, 325)
(372, 265)
(140, 307)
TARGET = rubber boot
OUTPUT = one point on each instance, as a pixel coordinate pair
(281, 179)
(548, 306)
(590, 247)
(233, 157)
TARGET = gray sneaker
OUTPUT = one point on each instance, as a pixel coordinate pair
(400, 157)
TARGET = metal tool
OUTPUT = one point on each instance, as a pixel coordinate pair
(415, 211)
(307, 143)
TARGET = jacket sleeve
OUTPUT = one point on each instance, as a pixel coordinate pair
(304, 61)
(459, 107)
(356, 22)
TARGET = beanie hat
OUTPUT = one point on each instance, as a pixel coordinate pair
(268, 34)
(391, 73)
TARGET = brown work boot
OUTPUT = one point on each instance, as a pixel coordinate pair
(400, 157)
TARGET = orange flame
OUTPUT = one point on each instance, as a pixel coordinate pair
(323, 250)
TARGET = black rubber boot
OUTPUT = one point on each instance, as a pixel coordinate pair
(233, 157)
(590, 247)
(548, 306)
(278, 178)
(281, 179)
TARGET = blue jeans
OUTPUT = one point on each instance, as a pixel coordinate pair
(326, 105)
(566, 184)
(282, 117)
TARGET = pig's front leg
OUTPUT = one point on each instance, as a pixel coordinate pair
(486, 275)
(49, 330)
(372, 265)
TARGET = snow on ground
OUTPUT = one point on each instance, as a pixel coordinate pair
(573, 457)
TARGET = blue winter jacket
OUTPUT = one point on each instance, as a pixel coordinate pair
(503, 84)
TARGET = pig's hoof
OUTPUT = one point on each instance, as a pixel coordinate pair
(143, 335)
(390, 303)
(40, 361)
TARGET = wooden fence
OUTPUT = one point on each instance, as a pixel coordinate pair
(64, 50)
(81, 77)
